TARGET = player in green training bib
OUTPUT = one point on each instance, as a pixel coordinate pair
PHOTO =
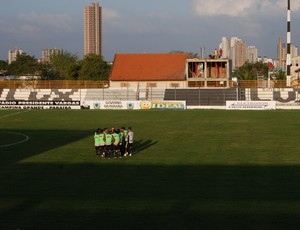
(97, 140)
(108, 142)
(102, 143)
(123, 133)
(116, 141)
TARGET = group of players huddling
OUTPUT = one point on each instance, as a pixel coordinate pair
(113, 143)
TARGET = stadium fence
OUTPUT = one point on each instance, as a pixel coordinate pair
(194, 96)
(52, 84)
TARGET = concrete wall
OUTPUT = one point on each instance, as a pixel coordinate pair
(143, 84)
(281, 96)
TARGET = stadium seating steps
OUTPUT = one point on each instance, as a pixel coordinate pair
(212, 97)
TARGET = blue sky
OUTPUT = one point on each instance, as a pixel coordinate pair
(139, 26)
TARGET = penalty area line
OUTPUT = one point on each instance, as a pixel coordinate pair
(26, 138)
(14, 114)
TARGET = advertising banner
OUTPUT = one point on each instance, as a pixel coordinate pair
(39, 104)
(100, 105)
(251, 105)
(112, 105)
(133, 105)
(163, 105)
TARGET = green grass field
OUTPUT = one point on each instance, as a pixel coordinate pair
(201, 169)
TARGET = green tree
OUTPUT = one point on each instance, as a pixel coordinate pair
(24, 65)
(262, 69)
(73, 71)
(93, 67)
(281, 75)
(250, 71)
(46, 71)
(3, 67)
(62, 65)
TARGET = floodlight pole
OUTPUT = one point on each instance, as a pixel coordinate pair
(288, 45)
(269, 79)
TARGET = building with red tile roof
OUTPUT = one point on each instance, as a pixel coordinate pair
(149, 67)
(168, 70)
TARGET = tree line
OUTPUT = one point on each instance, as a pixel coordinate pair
(253, 70)
(63, 66)
(67, 66)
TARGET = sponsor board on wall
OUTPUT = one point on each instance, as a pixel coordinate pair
(251, 105)
(39, 104)
(163, 105)
(133, 105)
(100, 105)
(111, 105)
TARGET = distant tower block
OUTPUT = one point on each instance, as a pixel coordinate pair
(280, 52)
(93, 29)
(202, 52)
(288, 44)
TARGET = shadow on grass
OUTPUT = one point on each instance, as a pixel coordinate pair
(105, 195)
(140, 145)
(119, 196)
(41, 141)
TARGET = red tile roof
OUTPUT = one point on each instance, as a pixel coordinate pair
(149, 67)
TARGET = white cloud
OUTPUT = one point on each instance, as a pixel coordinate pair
(221, 7)
(56, 21)
(295, 4)
(109, 14)
(119, 23)
(23, 30)
(34, 25)
(237, 8)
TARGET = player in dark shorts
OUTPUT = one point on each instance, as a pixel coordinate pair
(97, 141)
(123, 134)
(108, 143)
(102, 143)
(129, 144)
(115, 143)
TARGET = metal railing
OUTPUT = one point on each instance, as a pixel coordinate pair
(262, 84)
(78, 84)
(53, 84)
(242, 84)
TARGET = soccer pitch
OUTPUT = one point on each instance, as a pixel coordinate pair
(201, 169)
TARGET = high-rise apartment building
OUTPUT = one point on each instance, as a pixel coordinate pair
(294, 51)
(47, 53)
(238, 52)
(252, 54)
(281, 59)
(12, 54)
(225, 47)
(93, 29)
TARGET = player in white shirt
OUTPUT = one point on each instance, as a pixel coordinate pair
(129, 144)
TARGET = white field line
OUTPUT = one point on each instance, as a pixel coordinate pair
(8, 115)
(26, 138)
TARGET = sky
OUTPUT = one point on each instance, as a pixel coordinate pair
(146, 26)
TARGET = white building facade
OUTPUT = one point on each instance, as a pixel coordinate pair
(252, 54)
(48, 53)
(12, 54)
